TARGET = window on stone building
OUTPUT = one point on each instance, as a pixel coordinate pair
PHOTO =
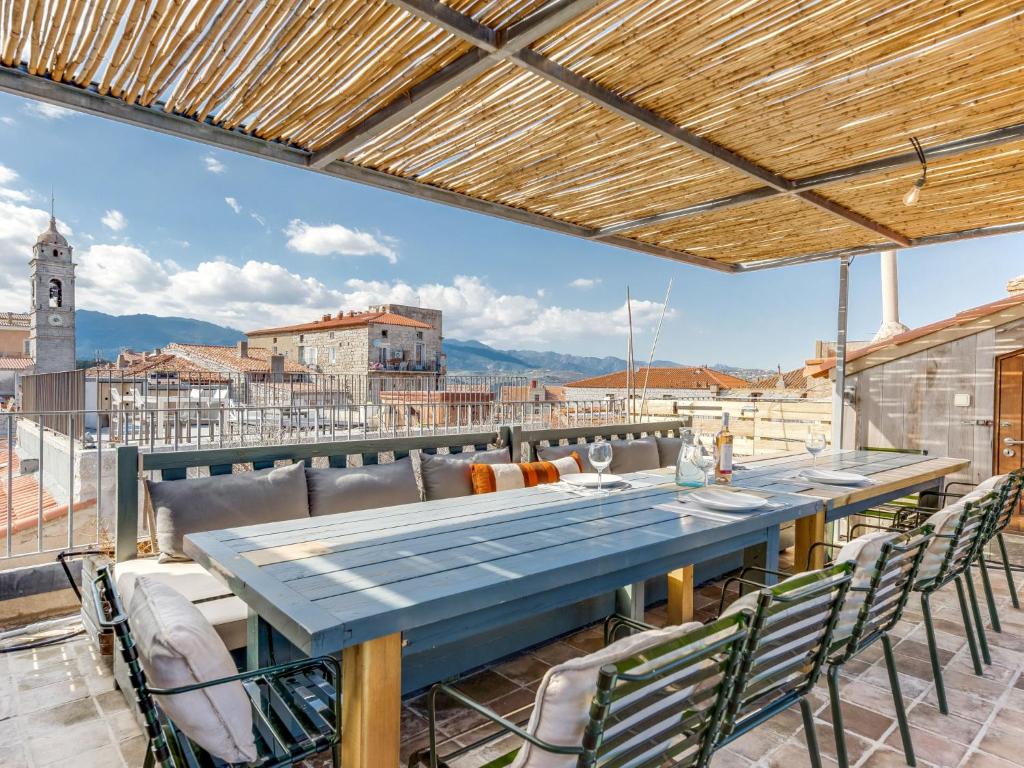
(330, 335)
(332, 355)
(384, 332)
(419, 354)
(55, 253)
(419, 334)
(56, 293)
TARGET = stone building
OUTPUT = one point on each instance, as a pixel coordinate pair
(51, 341)
(389, 338)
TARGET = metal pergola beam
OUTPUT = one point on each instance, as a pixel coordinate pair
(483, 37)
(985, 140)
(89, 101)
(466, 68)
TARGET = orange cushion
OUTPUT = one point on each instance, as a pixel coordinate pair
(488, 478)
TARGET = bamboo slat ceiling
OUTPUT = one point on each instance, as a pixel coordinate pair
(723, 133)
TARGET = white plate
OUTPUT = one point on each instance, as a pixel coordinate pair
(589, 480)
(832, 477)
(726, 501)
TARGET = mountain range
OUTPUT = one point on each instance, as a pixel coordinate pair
(100, 335)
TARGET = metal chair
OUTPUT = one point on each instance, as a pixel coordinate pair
(884, 591)
(296, 706)
(1008, 500)
(957, 551)
(663, 705)
(789, 642)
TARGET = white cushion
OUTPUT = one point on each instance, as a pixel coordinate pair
(227, 613)
(177, 647)
(562, 707)
(863, 552)
(943, 522)
(985, 487)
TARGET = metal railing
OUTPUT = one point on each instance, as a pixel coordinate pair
(57, 492)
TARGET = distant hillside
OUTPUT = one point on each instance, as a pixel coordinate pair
(103, 335)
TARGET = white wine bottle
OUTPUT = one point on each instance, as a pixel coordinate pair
(723, 453)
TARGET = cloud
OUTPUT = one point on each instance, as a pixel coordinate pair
(337, 239)
(47, 111)
(585, 282)
(7, 120)
(115, 220)
(213, 165)
(258, 219)
(233, 204)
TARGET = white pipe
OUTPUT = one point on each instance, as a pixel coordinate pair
(891, 324)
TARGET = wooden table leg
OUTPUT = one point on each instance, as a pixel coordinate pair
(809, 530)
(372, 703)
(680, 595)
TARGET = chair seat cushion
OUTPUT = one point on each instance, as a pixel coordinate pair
(488, 478)
(227, 613)
(562, 705)
(985, 487)
(449, 476)
(332, 491)
(635, 455)
(225, 501)
(178, 647)
(554, 452)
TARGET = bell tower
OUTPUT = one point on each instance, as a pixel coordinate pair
(52, 334)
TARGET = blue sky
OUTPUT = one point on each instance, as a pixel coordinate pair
(171, 227)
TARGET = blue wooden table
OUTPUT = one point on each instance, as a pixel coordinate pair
(365, 582)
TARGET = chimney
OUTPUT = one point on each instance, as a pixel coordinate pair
(243, 348)
(891, 325)
(277, 367)
(1016, 286)
(341, 313)
(325, 318)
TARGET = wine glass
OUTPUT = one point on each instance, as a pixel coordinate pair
(815, 443)
(703, 457)
(600, 455)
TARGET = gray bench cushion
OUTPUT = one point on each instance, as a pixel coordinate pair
(376, 485)
(635, 455)
(225, 501)
(448, 477)
(668, 450)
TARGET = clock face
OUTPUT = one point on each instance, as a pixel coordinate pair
(55, 320)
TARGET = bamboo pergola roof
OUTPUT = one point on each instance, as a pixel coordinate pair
(733, 135)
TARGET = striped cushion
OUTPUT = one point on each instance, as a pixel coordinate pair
(488, 478)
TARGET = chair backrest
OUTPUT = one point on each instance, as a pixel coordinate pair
(532, 439)
(969, 535)
(1009, 500)
(665, 705)
(112, 615)
(885, 590)
(789, 640)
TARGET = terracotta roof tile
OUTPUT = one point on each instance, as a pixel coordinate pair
(257, 361)
(665, 378)
(348, 321)
(25, 499)
(795, 379)
(18, 320)
(15, 363)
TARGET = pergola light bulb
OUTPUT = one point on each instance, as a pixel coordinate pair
(913, 195)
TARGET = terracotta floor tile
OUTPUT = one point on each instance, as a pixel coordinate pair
(982, 760)
(793, 754)
(930, 747)
(556, 653)
(915, 649)
(1007, 744)
(485, 686)
(855, 745)
(958, 729)
(861, 720)
(872, 697)
(883, 757)
(523, 670)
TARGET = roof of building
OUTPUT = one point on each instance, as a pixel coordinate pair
(965, 323)
(794, 379)
(16, 363)
(139, 364)
(342, 320)
(19, 320)
(665, 378)
(256, 361)
(51, 236)
(25, 498)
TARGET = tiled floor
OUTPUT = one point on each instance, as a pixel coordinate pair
(59, 703)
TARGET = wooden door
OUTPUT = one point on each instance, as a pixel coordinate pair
(1009, 427)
